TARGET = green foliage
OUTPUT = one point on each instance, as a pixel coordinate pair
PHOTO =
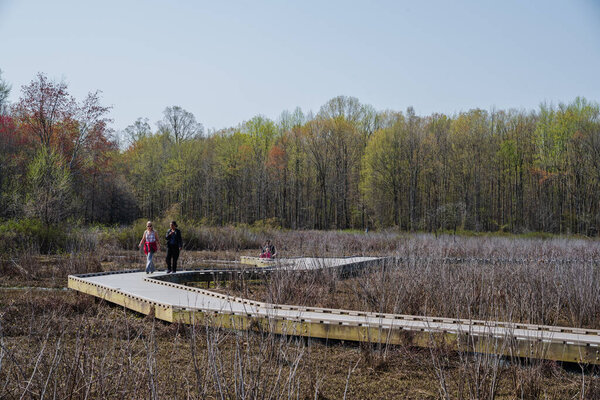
(352, 167)
(33, 235)
(348, 167)
(126, 237)
(18, 235)
(49, 182)
(385, 166)
(267, 224)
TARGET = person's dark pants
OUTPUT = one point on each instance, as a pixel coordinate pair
(172, 254)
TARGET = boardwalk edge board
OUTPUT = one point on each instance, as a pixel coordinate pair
(218, 310)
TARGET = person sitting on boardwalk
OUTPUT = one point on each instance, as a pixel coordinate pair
(268, 250)
(151, 246)
(174, 245)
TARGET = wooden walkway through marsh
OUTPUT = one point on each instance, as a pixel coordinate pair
(168, 299)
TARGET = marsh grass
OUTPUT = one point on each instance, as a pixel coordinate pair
(60, 344)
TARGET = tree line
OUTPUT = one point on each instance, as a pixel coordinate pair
(348, 166)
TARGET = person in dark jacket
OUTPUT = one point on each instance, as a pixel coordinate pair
(174, 245)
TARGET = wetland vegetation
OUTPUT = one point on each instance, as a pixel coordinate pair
(63, 344)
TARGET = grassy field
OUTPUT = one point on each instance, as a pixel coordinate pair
(56, 343)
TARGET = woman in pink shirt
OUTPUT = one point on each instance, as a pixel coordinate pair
(151, 246)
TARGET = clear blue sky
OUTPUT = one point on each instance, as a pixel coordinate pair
(226, 61)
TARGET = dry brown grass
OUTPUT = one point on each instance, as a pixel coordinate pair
(60, 344)
(536, 293)
(75, 347)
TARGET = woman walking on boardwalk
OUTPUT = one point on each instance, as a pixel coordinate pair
(151, 246)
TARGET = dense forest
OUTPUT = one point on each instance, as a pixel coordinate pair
(347, 166)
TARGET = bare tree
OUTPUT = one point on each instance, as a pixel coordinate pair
(343, 106)
(90, 116)
(4, 92)
(44, 108)
(138, 130)
(180, 124)
(48, 111)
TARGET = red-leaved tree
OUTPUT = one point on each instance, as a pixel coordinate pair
(76, 134)
(48, 112)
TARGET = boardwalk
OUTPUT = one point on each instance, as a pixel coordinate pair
(162, 295)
